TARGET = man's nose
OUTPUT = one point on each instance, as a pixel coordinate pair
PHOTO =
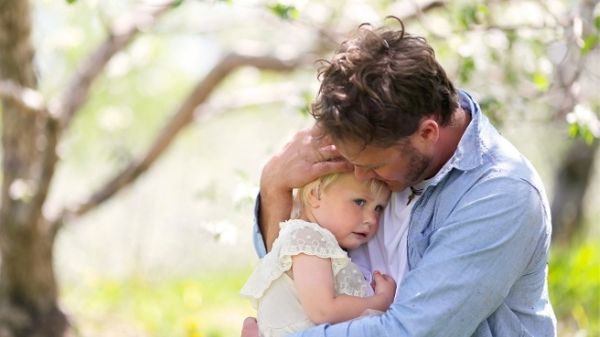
(363, 174)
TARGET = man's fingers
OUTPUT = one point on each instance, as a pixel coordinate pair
(332, 166)
(250, 327)
(318, 133)
(329, 152)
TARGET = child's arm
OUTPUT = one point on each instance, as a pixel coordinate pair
(313, 278)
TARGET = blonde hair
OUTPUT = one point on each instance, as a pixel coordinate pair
(321, 184)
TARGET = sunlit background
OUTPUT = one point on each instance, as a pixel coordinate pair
(168, 254)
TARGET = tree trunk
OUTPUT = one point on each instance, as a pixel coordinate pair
(571, 183)
(28, 288)
(575, 171)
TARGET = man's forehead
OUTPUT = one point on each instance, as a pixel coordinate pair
(361, 154)
(350, 150)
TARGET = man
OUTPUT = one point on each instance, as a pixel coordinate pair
(467, 232)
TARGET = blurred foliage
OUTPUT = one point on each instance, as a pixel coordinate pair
(584, 123)
(574, 282)
(511, 50)
(287, 12)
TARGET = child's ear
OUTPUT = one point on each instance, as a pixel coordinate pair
(314, 197)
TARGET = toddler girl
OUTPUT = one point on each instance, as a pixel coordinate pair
(307, 278)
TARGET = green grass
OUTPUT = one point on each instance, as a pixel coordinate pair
(574, 282)
(209, 305)
(204, 306)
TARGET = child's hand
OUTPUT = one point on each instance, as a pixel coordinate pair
(385, 289)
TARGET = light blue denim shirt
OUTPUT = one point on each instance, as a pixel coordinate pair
(478, 245)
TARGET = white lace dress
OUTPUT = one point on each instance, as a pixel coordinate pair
(272, 291)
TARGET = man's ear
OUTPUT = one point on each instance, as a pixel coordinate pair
(429, 131)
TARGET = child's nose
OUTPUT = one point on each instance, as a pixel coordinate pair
(371, 217)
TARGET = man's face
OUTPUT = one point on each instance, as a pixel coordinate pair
(399, 166)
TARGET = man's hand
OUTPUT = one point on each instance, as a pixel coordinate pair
(306, 157)
(250, 327)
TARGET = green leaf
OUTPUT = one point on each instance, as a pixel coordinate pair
(597, 22)
(483, 13)
(573, 130)
(589, 43)
(286, 12)
(483, 9)
(492, 107)
(541, 81)
(588, 136)
(70, 2)
(468, 16)
(177, 3)
(467, 68)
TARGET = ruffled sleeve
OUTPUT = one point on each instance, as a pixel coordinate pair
(295, 237)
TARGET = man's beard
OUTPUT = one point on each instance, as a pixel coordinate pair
(417, 165)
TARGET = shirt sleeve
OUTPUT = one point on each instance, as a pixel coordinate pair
(471, 261)
(257, 238)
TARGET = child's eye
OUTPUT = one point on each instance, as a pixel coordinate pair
(379, 208)
(360, 202)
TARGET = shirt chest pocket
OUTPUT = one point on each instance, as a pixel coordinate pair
(422, 227)
(428, 216)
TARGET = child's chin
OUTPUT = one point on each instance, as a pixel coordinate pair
(352, 246)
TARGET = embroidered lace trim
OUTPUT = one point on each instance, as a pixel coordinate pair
(302, 237)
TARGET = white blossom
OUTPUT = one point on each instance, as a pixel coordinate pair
(21, 189)
(223, 231)
(584, 117)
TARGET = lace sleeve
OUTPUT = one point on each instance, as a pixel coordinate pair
(311, 239)
(296, 237)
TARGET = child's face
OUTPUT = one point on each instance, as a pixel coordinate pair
(349, 209)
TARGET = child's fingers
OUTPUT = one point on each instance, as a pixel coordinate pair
(379, 278)
(387, 277)
(379, 275)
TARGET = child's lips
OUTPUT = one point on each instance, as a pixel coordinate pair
(362, 235)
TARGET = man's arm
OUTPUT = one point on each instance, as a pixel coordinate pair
(470, 264)
(275, 203)
(306, 157)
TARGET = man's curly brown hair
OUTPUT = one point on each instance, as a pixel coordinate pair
(379, 85)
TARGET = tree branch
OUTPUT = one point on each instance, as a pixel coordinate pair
(76, 93)
(119, 36)
(569, 70)
(181, 118)
(27, 97)
(416, 10)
